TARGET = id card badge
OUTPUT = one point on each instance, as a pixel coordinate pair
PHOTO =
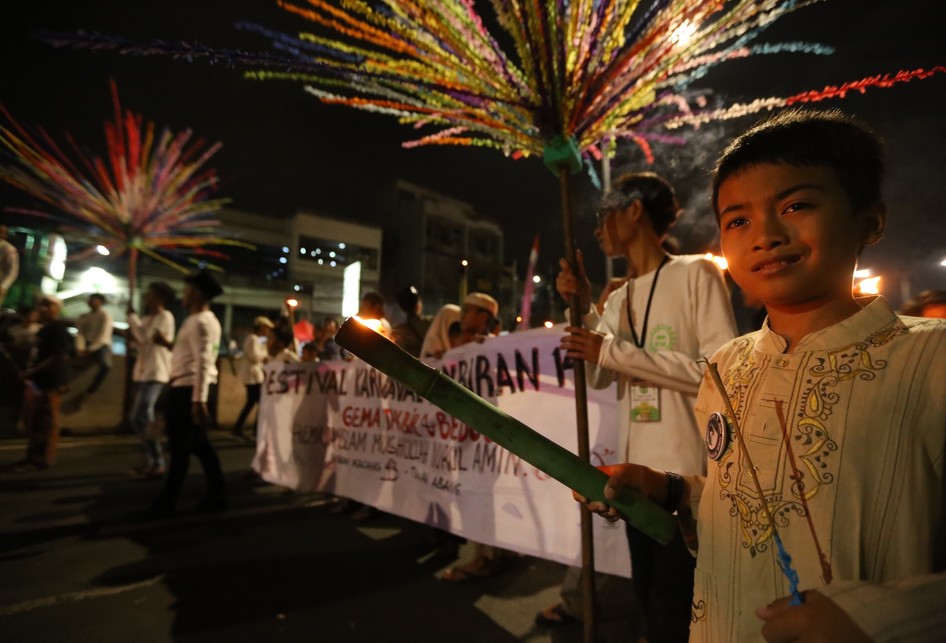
(645, 403)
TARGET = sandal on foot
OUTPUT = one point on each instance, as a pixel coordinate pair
(476, 569)
(554, 616)
(460, 575)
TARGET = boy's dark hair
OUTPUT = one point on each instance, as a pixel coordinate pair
(656, 194)
(808, 138)
(310, 347)
(407, 300)
(97, 295)
(373, 302)
(164, 291)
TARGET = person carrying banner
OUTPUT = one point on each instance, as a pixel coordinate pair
(479, 318)
(410, 333)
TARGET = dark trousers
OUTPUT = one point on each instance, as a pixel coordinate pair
(102, 362)
(42, 425)
(252, 399)
(663, 581)
(186, 437)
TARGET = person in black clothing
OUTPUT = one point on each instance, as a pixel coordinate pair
(45, 380)
(410, 334)
(328, 349)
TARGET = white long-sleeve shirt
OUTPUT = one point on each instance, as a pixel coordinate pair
(153, 363)
(690, 317)
(254, 354)
(864, 411)
(95, 330)
(194, 358)
(9, 265)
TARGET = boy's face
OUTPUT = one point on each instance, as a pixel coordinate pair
(48, 310)
(790, 234)
(192, 295)
(150, 299)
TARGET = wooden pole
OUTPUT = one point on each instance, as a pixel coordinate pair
(581, 413)
(605, 188)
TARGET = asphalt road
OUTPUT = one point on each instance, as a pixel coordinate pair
(80, 564)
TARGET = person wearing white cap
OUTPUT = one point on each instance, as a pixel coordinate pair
(479, 315)
(254, 354)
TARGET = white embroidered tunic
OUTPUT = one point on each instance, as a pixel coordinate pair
(865, 408)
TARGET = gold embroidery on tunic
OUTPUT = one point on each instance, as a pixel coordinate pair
(810, 407)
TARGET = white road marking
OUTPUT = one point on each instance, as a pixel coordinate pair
(72, 597)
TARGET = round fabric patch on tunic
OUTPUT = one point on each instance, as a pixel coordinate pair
(717, 436)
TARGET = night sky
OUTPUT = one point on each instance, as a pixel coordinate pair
(283, 151)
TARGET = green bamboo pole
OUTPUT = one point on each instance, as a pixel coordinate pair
(503, 429)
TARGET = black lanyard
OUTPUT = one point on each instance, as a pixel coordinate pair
(639, 342)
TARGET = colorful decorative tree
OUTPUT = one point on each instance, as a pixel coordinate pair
(149, 195)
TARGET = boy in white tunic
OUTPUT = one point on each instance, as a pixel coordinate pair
(841, 404)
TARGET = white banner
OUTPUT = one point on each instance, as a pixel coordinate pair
(347, 429)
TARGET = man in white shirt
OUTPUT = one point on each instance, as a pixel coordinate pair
(152, 369)
(9, 263)
(650, 337)
(193, 370)
(280, 347)
(94, 341)
(254, 354)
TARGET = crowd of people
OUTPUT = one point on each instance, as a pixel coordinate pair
(821, 432)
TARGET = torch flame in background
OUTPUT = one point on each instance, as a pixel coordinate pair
(373, 324)
(868, 286)
(719, 260)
